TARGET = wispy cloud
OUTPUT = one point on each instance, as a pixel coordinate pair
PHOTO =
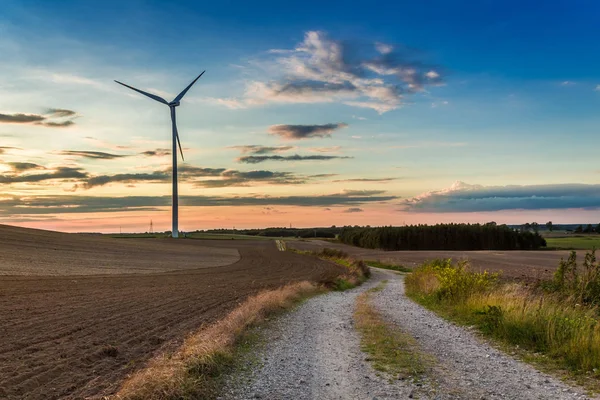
(320, 69)
(330, 149)
(294, 132)
(295, 157)
(463, 197)
(19, 167)
(96, 155)
(156, 153)
(4, 148)
(59, 173)
(373, 180)
(257, 149)
(72, 204)
(55, 118)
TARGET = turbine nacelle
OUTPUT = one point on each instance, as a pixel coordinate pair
(174, 104)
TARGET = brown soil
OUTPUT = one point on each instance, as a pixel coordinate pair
(78, 336)
(526, 265)
(37, 252)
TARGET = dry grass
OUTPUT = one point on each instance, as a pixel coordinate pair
(192, 372)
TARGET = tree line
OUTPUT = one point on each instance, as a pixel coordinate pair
(442, 237)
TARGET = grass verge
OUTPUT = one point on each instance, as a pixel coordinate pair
(390, 350)
(193, 371)
(358, 271)
(545, 327)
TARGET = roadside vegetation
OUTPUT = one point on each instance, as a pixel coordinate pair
(556, 321)
(391, 351)
(194, 370)
(358, 271)
(442, 237)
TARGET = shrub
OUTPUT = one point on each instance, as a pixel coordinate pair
(448, 281)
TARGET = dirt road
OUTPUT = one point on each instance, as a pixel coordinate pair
(314, 353)
(73, 336)
(513, 264)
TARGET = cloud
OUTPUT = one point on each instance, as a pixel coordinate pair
(380, 180)
(292, 132)
(597, 89)
(463, 197)
(61, 112)
(354, 210)
(196, 175)
(48, 119)
(4, 148)
(363, 192)
(20, 118)
(256, 149)
(69, 204)
(239, 178)
(18, 167)
(101, 180)
(331, 149)
(295, 157)
(62, 124)
(63, 173)
(96, 155)
(156, 153)
(189, 171)
(320, 70)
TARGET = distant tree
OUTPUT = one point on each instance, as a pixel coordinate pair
(598, 228)
(549, 225)
(535, 226)
(588, 229)
(579, 229)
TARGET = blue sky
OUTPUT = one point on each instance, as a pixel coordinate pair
(499, 96)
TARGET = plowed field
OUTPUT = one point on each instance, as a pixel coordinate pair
(78, 335)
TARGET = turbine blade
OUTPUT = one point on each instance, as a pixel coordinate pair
(180, 96)
(180, 150)
(176, 132)
(152, 96)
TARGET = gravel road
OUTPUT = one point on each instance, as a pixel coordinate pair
(314, 353)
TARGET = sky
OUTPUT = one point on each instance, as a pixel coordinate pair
(309, 113)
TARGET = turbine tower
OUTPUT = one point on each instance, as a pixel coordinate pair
(176, 142)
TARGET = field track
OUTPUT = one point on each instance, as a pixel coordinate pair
(78, 336)
(526, 265)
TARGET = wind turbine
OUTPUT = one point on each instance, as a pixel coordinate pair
(176, 142)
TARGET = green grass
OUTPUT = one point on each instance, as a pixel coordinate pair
(382, 265)
(574, 242)
(391, 351)
(553, 331)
